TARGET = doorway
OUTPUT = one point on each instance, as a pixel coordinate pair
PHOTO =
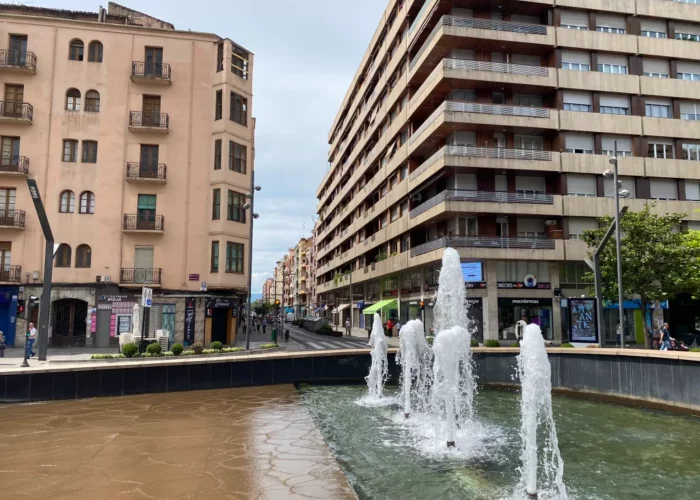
(17, 55)
(10, 153)
(143, 264)
(146, 209)
(154, 62)
(149, 161)
(14, 97)
(219, 325)
(151, 111)
(69, 327)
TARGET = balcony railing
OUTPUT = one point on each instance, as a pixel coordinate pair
(135, 222)
(483, 196)
(483, 242)
(475, 107)
(16, 164)
(150, 71)
(481, 24)
(495, 67)
(149, 119)
(18, 59)
(140, 276)
(16, 109)
(12, 218)
(478, 152)
(11, 273)
(144, 171)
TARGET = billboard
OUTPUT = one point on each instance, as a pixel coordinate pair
(472, 272)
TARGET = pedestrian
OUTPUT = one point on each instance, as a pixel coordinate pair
(286, 335)
(397, 327)
(31, 340)
(347, 327)
(665, 338)
(389, 327)
(264, 325)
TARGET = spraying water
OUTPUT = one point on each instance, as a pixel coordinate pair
(414, 357)
(450, 303)
(536, 406)
(378, 373)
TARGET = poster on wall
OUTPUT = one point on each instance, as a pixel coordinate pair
(189, 320)
(583, 322)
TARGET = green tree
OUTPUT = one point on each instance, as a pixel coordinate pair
(692, 240)
(262, 308)
(657, 259)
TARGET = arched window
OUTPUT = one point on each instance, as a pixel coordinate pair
(83, 256)
(63, 255)
(76, 50)
(87, 202)
(92, 101)
(73, 100)
(67, 205)
(95, 51)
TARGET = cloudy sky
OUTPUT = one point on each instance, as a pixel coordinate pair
(306, 53)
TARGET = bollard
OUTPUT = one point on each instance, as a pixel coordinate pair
(274, 335)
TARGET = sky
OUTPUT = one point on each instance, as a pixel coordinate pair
(306, 53)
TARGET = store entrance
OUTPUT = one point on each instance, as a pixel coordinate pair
(532, 311)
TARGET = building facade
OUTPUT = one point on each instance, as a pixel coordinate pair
(487, 128)
(268, 291)
(140, 138)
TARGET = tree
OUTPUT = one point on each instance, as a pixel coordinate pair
(261, 308)
(657, 259)
(692, 240)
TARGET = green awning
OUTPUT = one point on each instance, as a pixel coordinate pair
(382, 304)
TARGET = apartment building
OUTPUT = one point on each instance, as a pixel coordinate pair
(140, 137)
(295, 275)
(487, 127)
(268, 291)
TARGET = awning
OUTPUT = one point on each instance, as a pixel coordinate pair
(289, 310)
(318, 309)
(342, 307)
(382, 304)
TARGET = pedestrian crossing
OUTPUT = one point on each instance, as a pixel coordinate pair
(327, 344)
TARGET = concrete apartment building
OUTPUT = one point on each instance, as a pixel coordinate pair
(487, 126)
(268, 291)
(141, 140)
(295, 276)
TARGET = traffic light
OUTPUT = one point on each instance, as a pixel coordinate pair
(20, 308)
(422, 305)
(277, 303)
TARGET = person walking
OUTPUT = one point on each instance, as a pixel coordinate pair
(264, 325)
(665, 338)
(31, 340)
(389, 327)
(286, 336)
(347, 327)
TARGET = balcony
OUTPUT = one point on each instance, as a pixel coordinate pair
(134, 223)
(16, 112)
(484, 242)
(149, 122)
(12, 219)
(11, 274)
(155, 73)
(18, 61)
(599, 81)
(14, 165)
(143, 172)
(140, 276)
(596, 40)
(462, 195)
(600, 123)
(681, 11)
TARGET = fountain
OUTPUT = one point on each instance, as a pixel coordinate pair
(378, 373)
(414, 356)
(536, 406)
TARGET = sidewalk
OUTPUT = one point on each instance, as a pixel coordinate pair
(361, 333)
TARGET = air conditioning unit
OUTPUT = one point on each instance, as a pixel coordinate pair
(106, 279)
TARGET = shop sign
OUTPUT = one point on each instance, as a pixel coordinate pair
(219, 303)
(189, 320)
(475, 284)
(524, 302)
(114, 298)
(517, 285)
(583, 320)
(194, 277)
(104, 306)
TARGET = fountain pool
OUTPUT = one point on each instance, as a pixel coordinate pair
(611, 451)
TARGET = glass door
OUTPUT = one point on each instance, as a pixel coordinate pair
(17, 55)
(154, 62)
(9, 153)
(14, 96)
(148, 167)
(151, 111)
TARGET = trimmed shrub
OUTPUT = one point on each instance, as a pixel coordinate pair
(327, 329)
(209, 351)
(231, 349)
(177, 349)
(216, 345)
(168, 353)
(567, 344)
(107, 356)
(515, 344)
(268, 346)
(146, 355)
(492, 343)
(188, 353)
(129, 350)
(695, 349)
(154, 349)
(474, 343)
(197, 347)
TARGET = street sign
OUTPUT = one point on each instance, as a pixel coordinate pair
(204, 286)
(146, 297)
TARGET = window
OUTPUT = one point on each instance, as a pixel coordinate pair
(691, 152)
(690, 110)
(607, 29)
(153, 63)
(687, 36)
(75, 52)
(67, 204)
(220, 57)
(234, 257)
(617, 69)
(657, 110)
(146, 216)
(614, 110)
(235, 211)
(574, 275)
(95, 51)
(403, 172)
(663, 189)
(568, 106)
(577, 225)
(92, 101)
(70, 150)
(654, 34)
(87, 202)
(532, 142)
(63, 255)
(216, 204)
(581, 185)
(217, 154)
(656, 150)
(239, 62)
(576, 66)
(237, 154)
(239, 109)
(688, 76)
(214, 256)
(627, 183)
(89, 151)
(609, 152)
(218, 109)
(656, 75)
(83, 256)
(73, 100)
(575, 27)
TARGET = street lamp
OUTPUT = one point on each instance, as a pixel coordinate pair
(619, 193)
(250, 196)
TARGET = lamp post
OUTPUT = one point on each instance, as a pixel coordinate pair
(619, 193)
(250, 205)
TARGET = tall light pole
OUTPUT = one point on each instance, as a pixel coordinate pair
(619, 192)
(250, 206)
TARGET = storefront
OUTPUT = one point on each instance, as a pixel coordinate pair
(8, 313)
(530, 310)
(475, 316)
(220, 321)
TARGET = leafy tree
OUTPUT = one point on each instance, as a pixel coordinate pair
(262, 308)
(657, 259)
(692, 240)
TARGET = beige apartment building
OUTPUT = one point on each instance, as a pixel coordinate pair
(141, 140)
(487, 126)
